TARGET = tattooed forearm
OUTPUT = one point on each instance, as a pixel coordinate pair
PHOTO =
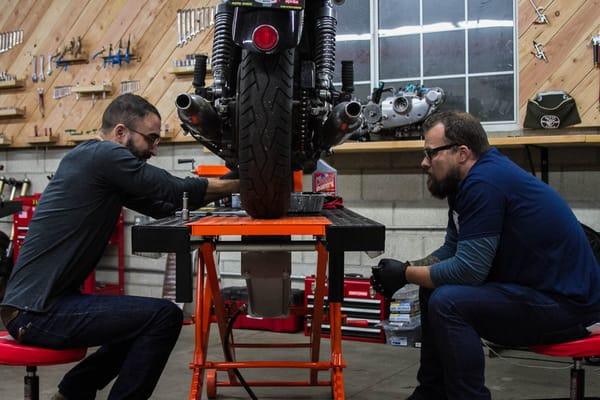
(429, 260)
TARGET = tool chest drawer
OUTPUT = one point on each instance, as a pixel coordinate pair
(363, 310)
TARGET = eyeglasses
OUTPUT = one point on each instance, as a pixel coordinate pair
(151, 138)
(430, 153)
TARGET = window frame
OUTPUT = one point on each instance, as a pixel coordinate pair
(373, 37)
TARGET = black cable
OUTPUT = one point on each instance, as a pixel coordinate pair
(227, 348)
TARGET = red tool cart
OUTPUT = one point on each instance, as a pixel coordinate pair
(90, 285)
(21, 222)
(363, 310)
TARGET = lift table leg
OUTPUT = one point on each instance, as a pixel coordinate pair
(315, 337)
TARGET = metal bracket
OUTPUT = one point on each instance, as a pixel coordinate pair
(541, 17)
(539, 51)
(544, 165)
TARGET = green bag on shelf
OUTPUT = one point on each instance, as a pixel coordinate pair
(551, 110)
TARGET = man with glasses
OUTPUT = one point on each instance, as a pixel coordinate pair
(68, 234)
(516, 267)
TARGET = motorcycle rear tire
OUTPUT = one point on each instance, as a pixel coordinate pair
(264, 116)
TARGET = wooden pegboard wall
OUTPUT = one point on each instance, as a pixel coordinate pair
(567, 44)
(50, 24)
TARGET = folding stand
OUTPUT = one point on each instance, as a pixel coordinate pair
(208, 294)
(334, 231)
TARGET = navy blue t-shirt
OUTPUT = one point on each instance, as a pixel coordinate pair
(77, 214)
(542, 245)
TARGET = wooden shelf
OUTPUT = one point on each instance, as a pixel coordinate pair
(591, 139)
(90, 89)
(82, 137)
(502, 142)
(42, 139)
(189, 70)
(14, 83)
(5, 141)
(12, 112)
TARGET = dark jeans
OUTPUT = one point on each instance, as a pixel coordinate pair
(454, 318)
(136, 335)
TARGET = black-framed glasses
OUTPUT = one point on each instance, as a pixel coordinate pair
(151, 138)
(431, 152)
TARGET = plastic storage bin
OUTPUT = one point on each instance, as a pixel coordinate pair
(405, 336)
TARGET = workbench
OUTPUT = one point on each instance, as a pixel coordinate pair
(334, 232)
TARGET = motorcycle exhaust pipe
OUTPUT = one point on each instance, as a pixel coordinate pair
(197, 114)
(343, 121)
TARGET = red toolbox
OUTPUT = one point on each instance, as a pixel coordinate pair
(235, 297)
(363, 310)
(21, 221)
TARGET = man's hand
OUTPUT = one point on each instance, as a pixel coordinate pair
(219, 188)
(389, 276)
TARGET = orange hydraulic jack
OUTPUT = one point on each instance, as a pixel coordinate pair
(209, 304)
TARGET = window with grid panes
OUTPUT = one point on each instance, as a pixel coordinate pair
(466, 47)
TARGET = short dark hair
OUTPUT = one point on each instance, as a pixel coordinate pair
(461, 128)
(126, 109)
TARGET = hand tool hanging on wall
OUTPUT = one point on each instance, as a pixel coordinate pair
(8, 40)
(49, 71)
(61, 91)
(596, 49)
(541, 16)
(539, 51)
(5, 76)
(40, 92)
(96, 54)
(179, 40)
(42, 77)
(118, 56)
(74, 49)
(191, 21)
(129, 86)
(128, 50)
(34, 74)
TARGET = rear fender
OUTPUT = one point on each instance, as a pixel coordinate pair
(288, 23)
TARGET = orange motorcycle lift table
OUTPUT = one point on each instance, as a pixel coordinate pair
(334, 232)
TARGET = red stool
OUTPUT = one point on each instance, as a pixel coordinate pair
(577, 350)
(13, 353)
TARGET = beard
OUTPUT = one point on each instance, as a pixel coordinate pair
(445, 187)
(141, 154)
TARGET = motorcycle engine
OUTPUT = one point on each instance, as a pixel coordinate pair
(404, 111)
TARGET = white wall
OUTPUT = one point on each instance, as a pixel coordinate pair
(387, 187)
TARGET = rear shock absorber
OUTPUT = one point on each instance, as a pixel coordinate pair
(222, 47)
(325, 27)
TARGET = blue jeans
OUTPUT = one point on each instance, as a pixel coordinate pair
(136, 335)
(454, 318)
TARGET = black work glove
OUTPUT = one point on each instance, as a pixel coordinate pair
(389, 276)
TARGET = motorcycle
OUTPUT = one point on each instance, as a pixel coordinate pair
(272, 107)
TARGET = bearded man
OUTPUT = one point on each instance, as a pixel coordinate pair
(516, 267)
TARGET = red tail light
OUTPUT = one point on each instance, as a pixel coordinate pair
(265, 37)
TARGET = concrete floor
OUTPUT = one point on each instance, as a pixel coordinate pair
(374, 371)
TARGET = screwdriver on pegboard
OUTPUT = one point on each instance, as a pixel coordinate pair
(596, 48)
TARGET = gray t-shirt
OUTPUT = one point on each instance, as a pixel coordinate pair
(77, 214)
